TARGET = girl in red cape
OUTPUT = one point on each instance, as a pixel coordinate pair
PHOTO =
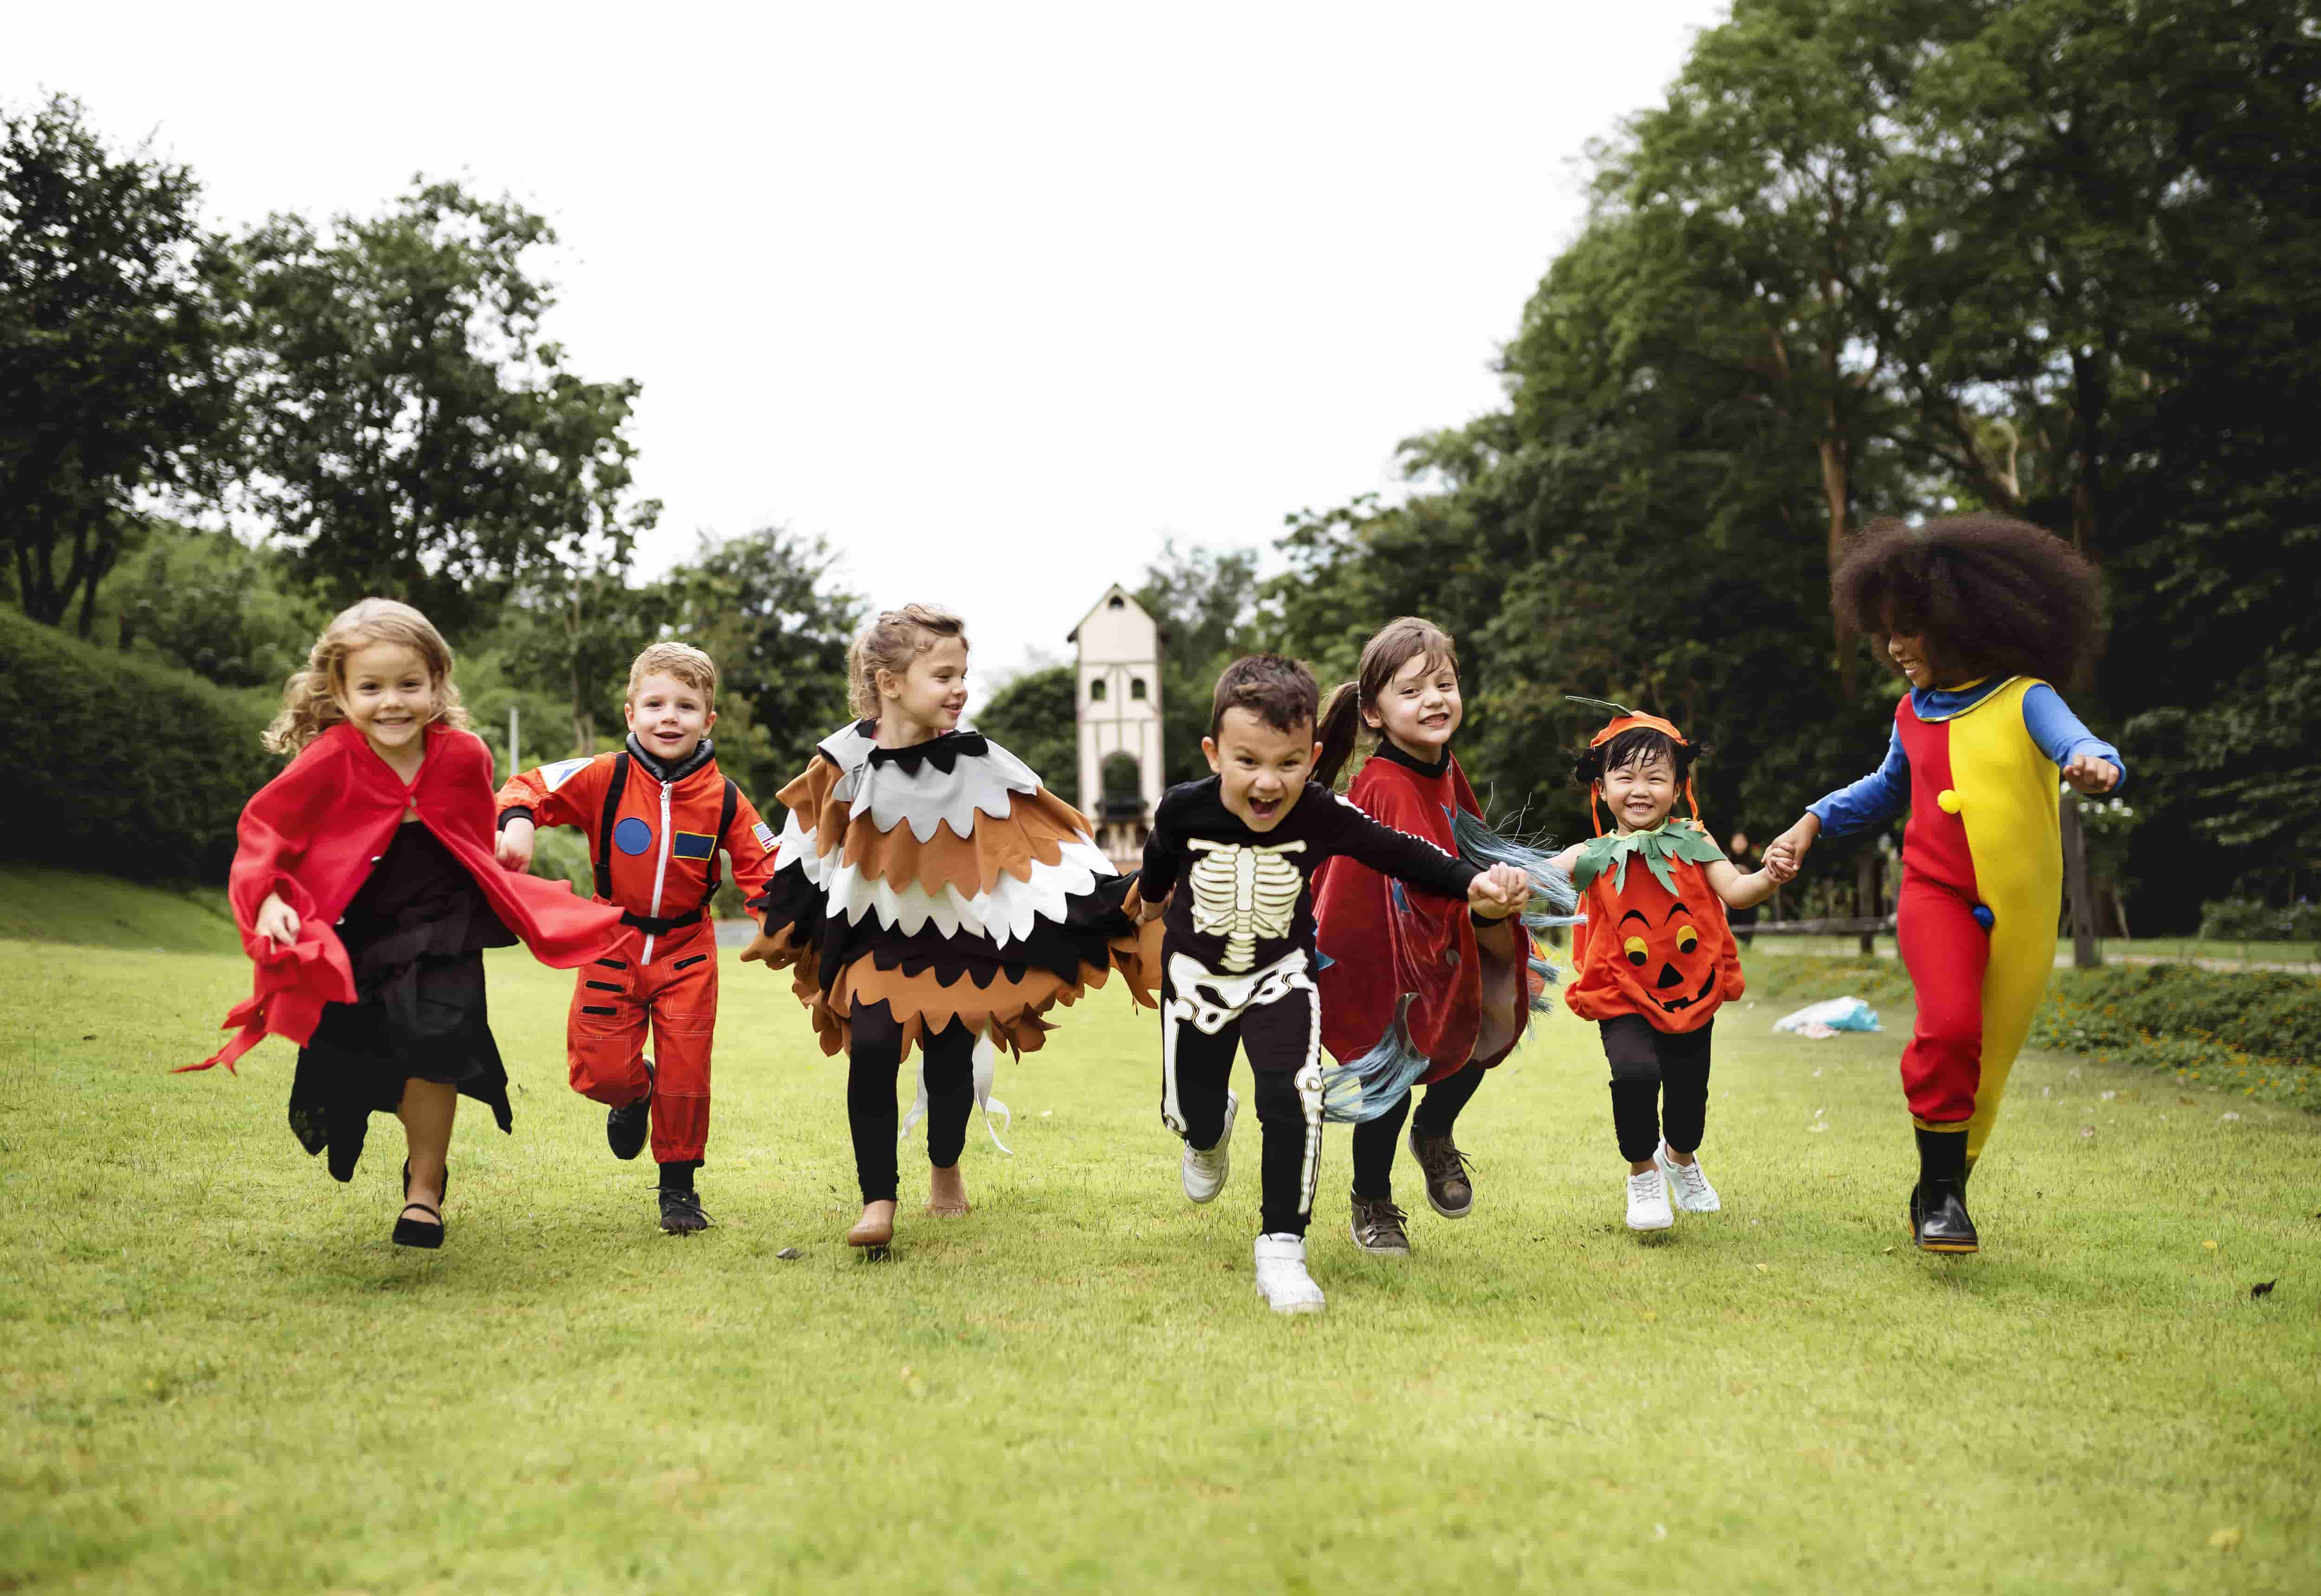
(366, 891)
(1414, 989)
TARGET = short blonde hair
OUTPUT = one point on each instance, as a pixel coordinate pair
(891, 641)
(682, 660)
(310, 698)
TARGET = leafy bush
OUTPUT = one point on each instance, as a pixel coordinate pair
(2264, 1014)
(2241, 919)
(125, 766)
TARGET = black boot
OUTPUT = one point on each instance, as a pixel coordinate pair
(1939, 1221)
(680, 1207)
(625, 1127)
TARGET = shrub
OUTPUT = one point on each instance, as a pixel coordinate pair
(2266, 1014)
(125, 766)
(2241, 919)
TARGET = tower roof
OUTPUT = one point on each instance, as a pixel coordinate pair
(1104, 601)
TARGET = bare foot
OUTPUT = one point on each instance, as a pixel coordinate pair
(875, 1229)
(946, 1192)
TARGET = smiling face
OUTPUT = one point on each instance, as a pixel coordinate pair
(1667, 968)
(669, 717)
(386, 694)
(931, 695)
(1640, 793)
(1260, 769)
(1419, 709)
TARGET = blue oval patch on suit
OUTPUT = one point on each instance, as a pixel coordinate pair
(633, 835)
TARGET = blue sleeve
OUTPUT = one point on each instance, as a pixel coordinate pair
(1878, 798)
(2060, 736)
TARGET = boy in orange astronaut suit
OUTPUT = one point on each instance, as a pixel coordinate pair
(656, 813)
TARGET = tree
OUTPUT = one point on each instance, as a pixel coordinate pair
(1036, 718)
(414, 434)
(1206, 602)
(114, 383)
(209, 602)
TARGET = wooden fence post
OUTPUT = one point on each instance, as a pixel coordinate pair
(2085, 954)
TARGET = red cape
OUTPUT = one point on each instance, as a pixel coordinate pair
(312, 834)
(1470, 989)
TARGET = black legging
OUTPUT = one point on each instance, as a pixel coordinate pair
(1656, 1073)
(1375, 1139)
(873, 1062)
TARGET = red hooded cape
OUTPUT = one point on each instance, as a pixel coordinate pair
(312, 834)
(1470, 988)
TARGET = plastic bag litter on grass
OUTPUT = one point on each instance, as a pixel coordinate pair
(1828, 1017)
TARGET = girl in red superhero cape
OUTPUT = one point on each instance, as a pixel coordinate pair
(930, 893)
(1416, 990)
(1981, 614)
(365, 888)
(1655, 958)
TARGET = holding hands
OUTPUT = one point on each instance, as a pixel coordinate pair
(2090, 775)
(1785, 853)
(1498, 892)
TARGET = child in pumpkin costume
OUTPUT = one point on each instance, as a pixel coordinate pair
(1417, 990)
(1655, 957)
(933, 895)
(1977, 611)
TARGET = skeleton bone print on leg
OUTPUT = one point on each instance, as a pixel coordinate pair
(1243, 892)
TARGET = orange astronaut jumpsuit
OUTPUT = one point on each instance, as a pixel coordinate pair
(654, 832)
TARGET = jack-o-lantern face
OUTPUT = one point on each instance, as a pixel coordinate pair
(1667, 965)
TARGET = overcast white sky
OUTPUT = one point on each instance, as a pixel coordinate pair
(995, 296)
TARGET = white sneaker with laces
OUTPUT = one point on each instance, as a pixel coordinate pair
(1647, 1203)
(1688, 1184)
(1205, 1172)
(1281, 1277)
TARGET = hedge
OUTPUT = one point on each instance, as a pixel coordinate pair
(124, 766)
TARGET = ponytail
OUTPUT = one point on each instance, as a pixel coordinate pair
(1341, 722)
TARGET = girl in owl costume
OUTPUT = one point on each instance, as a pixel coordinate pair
(930, 893)
(1979, 613)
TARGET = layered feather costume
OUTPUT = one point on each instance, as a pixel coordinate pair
(946, 882)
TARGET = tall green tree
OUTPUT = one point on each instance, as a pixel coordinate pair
(115, 384)
(414, 433)
(1206, 602)
(1035, 718)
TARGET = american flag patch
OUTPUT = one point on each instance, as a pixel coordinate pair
(765, 835)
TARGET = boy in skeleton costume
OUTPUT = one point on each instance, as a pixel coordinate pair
(1238, 960)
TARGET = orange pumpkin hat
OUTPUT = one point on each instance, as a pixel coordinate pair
(1625, 719)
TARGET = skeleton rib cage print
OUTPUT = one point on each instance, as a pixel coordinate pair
(1242, 893)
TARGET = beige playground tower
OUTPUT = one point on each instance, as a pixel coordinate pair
(1119, 714)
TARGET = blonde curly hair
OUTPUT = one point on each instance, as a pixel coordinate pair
(891, 641)
(310, 698)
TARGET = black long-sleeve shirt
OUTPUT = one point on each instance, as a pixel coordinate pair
(1249, 899)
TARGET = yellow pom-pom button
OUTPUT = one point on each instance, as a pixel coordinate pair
(1948, 801)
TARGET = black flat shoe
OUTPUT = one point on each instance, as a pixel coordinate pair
(625, 1127)
(681, 1213)
(409, 1233)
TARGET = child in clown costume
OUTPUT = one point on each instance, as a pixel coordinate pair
(1417, 990)
(1981, 614)
(1654, 956)
(931, 895)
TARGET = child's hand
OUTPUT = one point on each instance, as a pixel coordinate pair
(2089, 774)
(1790, 847)
(1152, 908)
(277, 921)
(1498, 892)
(1779, 870)
(775, 952)
(515, 850)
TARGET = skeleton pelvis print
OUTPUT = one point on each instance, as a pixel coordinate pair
(1208, 1002)
(1245, 892)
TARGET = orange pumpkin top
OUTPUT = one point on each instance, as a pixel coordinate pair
(1655, 941)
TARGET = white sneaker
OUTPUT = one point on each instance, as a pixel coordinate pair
(1687, 1185)
(1647, 1203)
(1281, 1277)
(1205, 1172)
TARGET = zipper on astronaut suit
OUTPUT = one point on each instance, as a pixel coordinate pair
(660, 871)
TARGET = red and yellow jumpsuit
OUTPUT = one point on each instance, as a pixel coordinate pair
(1982, 880)
(654, 832)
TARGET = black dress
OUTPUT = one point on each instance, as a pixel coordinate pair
(414, 935)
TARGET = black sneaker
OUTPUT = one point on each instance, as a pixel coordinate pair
(1450, 1187)
(625, 1127)
(681, 1213)
(1377, 1227)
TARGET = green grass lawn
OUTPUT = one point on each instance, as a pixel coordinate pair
(221, 1377)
